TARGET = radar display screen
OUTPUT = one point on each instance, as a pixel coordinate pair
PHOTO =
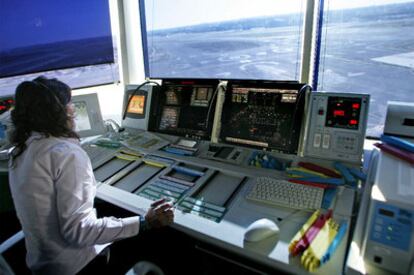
(201, 96)
(172, 96)
(264, 114)
(169, 118)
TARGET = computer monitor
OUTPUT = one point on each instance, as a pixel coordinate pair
(88, 117)
(185, 107)
(263, 114)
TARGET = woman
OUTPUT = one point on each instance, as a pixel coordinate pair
(53, 185)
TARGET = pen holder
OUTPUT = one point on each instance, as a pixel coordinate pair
(299, 235)
(312, 257)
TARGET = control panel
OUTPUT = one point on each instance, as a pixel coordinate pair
(337, 125)
(392, 226)
(5, 104)
(390, 233)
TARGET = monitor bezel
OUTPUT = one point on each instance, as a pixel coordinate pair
(94, 115)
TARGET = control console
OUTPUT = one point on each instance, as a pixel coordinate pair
(337, 125)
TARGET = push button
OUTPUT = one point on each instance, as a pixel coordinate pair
(326, 141)
(317, 140)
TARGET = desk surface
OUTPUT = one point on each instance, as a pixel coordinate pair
(229, 233)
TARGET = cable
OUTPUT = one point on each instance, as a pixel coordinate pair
(114, 123)
(300, 93)
(133, 94)
(211, 104)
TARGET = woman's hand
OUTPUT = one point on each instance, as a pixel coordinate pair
(160, 214)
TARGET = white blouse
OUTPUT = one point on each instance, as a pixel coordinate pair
(53, 189)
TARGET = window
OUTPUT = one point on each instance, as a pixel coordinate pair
(224, 39)
(69, 40)
(368, 47)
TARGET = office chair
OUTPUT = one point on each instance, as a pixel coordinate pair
(145, 268)
(5, 267)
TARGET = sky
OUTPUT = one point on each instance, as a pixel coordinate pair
(162, 14)
(30, 22)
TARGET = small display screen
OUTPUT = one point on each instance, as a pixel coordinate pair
(137, 104)
(201, 96)
(171, 96)
(82, 122)
(202, 93)
(343, 112)
(385, 212)
(169, 118)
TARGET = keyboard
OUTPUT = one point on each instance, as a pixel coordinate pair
(287, 194)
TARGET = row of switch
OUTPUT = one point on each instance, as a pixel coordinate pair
(325, 142)
(343, 143)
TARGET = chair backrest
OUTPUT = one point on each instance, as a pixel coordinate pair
(4, 246)
(5, 268)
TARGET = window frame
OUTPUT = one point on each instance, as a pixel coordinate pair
(305, 71)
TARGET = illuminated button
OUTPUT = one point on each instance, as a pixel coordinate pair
(317, 140)
(378, 228)
(320, 112)
(326, 141)
(338, 113)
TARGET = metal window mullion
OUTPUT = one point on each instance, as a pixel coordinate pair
(317, 45)
(122, 52)
(309, 40)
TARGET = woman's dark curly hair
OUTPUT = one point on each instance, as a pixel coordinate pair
(40, 106)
